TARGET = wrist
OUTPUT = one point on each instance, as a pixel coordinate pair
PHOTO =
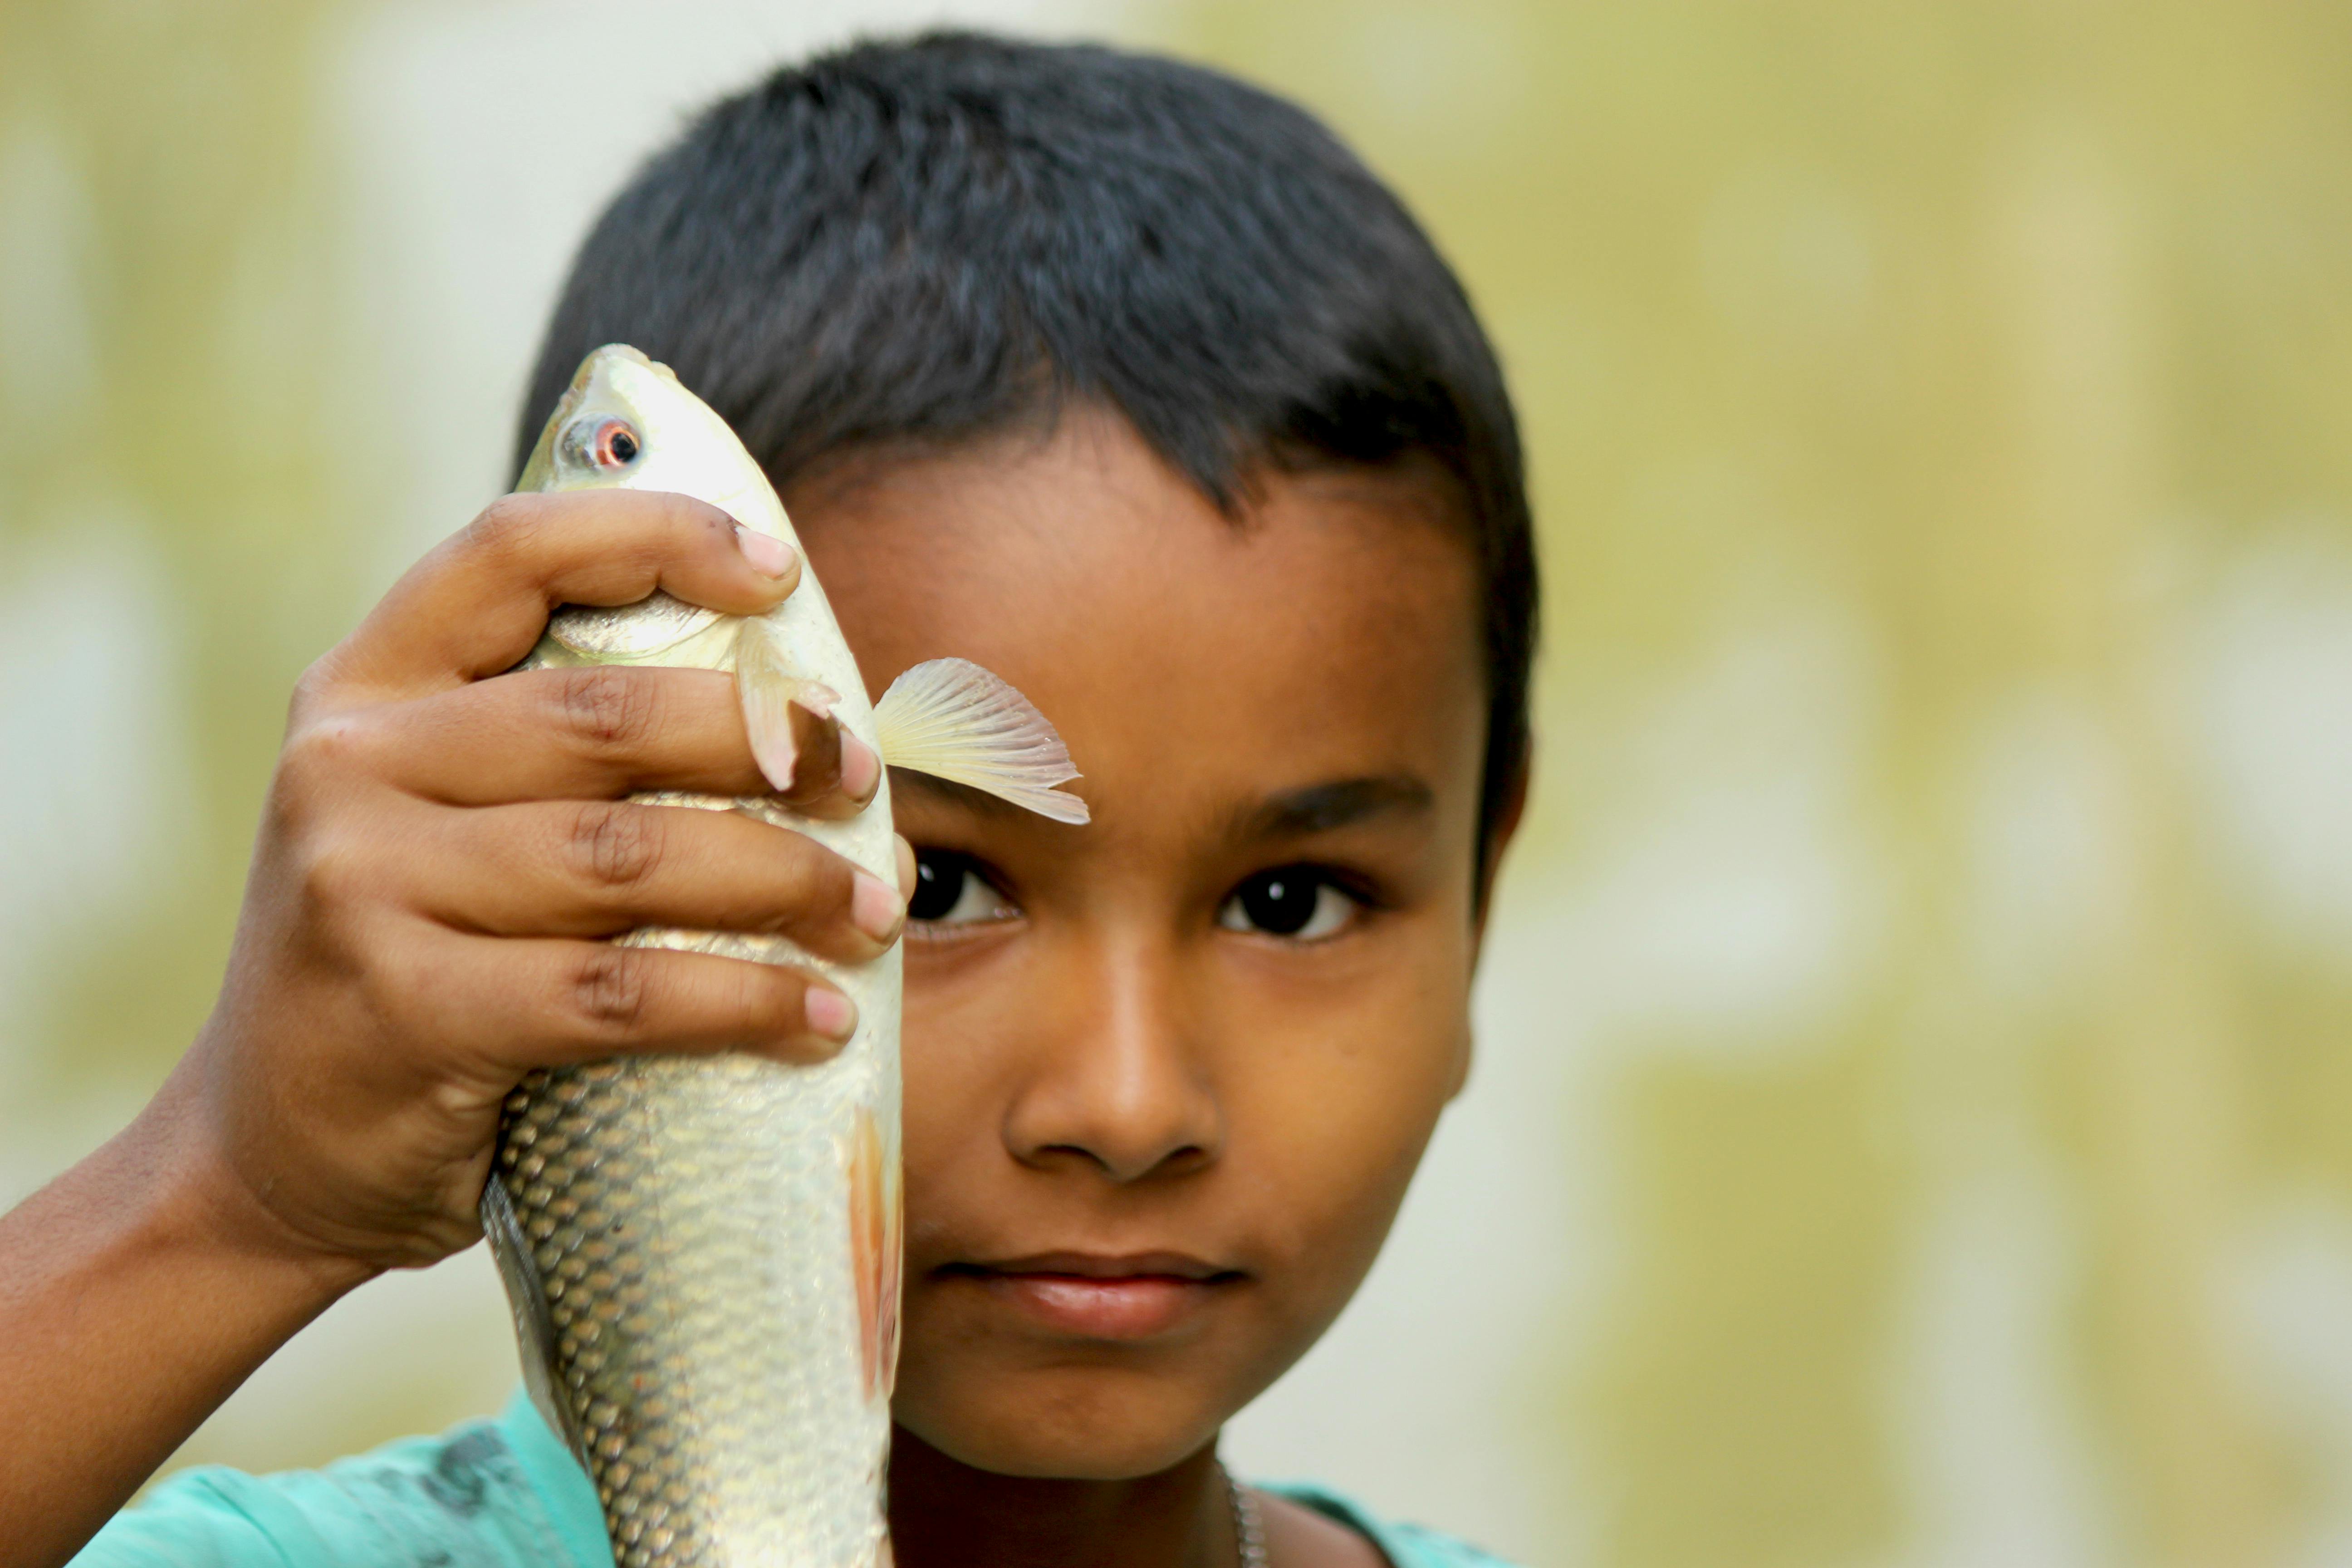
(181, 1194)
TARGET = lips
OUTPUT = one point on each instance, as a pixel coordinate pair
(1093, 1296)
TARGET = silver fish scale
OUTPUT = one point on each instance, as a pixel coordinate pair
(659, 1198)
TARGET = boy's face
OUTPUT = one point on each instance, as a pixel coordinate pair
(1167, 1074)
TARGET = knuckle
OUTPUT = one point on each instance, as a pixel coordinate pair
(334, 876)
(711, 526)
(329, 746)
(509, 526)
(610, 710)
(616, 845)
(830, 894)
(316, 687)
(393, 980)
(318, 762)
(612, 989)
(810, 890)
(759, 995)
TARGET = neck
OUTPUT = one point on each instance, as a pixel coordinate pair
(946, 1514)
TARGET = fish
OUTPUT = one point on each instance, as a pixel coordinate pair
(703, 1254)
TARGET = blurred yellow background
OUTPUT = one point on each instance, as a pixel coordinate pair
(1914, 1120)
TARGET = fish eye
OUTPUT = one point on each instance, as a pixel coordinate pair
(951, 891)
(616, 445)
(603, 444)
(1298, 902)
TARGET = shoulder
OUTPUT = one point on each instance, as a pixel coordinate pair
(486, 1494)
(1404, 1545)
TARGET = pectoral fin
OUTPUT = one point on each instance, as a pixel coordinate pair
(794, 732)
(953, 720)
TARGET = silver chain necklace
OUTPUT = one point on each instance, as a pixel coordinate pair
(1249, 1531)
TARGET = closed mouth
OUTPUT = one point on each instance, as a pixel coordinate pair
(1098, 1296)
(1101, 1265)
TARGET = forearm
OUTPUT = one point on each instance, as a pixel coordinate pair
(136, 1291)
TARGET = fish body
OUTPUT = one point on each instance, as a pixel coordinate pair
(703, 1254)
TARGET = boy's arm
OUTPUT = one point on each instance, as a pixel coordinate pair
(442, 856)
(136, 1291)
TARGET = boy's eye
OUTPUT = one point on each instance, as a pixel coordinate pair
(1295, 901)
(950, 890)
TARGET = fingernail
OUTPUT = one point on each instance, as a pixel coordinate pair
(861, 769)
(830, 1012)
(769, 555)
(874, 908)
(906, 866)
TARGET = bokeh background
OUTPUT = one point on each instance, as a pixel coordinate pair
(1915, 1119)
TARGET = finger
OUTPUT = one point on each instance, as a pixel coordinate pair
(601, 869)
(811, 763)
(592, 733)
(796, 735)
(596, 732)
(521, 1003)
(477, 603)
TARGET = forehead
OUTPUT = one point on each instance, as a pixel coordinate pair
(1330, 631)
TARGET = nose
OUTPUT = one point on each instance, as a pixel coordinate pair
(1120, 1084)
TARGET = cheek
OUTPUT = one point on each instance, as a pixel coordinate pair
(1332, 1092)
(957, 1062)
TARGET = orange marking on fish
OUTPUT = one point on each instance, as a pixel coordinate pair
(875, 1220)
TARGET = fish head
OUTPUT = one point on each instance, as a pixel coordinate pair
(627, 423)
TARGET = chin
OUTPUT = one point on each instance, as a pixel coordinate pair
(1092, 1424)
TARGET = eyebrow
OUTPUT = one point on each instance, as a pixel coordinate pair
(1293, 814)
(947, 792)
(1326, 807)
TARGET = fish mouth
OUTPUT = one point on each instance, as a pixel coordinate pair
(1103, 1298)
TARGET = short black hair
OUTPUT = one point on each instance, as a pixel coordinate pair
(937, 239)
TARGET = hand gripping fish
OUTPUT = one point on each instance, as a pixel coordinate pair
(703, 1254)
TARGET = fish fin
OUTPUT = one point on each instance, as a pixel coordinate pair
(527, 1297)
(870, 1234)
(894, 1256)
(953, 720)
(790, 718)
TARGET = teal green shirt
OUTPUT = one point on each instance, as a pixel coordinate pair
(503, 1493)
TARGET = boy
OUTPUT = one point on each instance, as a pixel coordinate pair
(1110, 374)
